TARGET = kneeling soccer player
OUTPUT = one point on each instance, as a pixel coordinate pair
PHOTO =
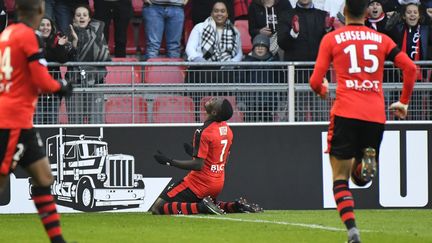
(196, 193)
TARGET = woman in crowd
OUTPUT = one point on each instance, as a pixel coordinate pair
(88, 40)
(57, 48)
(214, 40)
(414, 37)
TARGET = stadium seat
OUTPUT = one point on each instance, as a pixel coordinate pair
(188, 26)
(237, 115)
(125, 109)
(63, 117)
(123, 74)
(10, 6)
(131, 47)
(91, 5)
(173, 109)
(243, 28)
(137, 6)
(164, 74)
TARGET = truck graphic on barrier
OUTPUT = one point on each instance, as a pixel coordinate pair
(88, 178)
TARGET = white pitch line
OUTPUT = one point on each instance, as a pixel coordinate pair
(311, 226)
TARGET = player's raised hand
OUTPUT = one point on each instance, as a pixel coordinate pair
(188, 149)
(295, 24)
(162, 159)
(399, 109)
(66, 88)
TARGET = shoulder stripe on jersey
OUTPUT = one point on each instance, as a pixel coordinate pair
(197, 137)
(393, 53)
(35, 57)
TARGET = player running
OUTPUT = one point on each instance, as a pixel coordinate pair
(197, 192)
(23, 76)
(358, 115)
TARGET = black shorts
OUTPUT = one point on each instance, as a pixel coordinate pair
(23, 146)
(179, 192)
(348, 137)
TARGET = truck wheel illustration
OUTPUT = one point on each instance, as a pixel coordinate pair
(85, 196)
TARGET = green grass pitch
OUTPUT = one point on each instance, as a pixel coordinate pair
(408, 226)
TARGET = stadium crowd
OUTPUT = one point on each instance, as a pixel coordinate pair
(213, 31)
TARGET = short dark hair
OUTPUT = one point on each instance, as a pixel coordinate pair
(356, 8)
(28, 6)
(86, 6)
(224, 111)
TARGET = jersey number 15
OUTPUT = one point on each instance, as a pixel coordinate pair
(367, 55)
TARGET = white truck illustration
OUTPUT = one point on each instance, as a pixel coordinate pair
(88, 178)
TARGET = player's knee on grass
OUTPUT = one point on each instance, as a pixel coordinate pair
(157, 206)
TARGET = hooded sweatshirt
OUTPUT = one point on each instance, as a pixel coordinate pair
(260, 16)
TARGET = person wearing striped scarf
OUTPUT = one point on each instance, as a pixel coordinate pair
(216, 39)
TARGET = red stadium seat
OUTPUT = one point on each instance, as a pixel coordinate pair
(243, 28)
(137, 6)
(188, 26)
(237, 115)
(123, 74)
(125, 109)
(173, 109)
(164, 74)
(9, 5)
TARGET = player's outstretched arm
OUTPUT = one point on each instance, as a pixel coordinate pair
(194, 164)
(409, 70)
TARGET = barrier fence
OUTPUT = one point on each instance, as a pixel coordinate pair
(175, 92)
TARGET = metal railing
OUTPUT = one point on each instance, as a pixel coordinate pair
(175, 92)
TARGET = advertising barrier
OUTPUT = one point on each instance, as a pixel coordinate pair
(279, 166)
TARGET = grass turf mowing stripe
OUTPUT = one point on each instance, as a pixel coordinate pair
(311, 226)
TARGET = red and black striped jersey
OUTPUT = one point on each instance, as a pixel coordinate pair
(212, 143)
(358, 54)
(23, 76)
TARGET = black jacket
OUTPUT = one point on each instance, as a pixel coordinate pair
(312, 29)
(257, 15)
(381, 25)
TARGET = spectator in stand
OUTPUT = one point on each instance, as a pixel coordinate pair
(57, 48)
(216, 40)
(201, 9)
(300, 31)
(261, 106)
(87, 36)
(414, 36)
(61, 11)
(163, 16)
(376, 19)
(263, 19)
(120, 11)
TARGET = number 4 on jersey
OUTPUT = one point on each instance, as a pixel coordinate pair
(5, 69)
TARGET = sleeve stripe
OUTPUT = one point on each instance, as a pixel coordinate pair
(35, 57)
(391, 56)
